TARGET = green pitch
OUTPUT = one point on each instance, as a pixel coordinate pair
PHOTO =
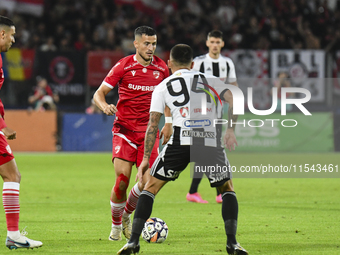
(65, 203)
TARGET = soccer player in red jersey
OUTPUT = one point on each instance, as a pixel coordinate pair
(8, 168)
(137, 76)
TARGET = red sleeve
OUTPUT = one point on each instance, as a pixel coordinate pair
(2, 114)
(2, 123)
(166, 68)
(115, 74)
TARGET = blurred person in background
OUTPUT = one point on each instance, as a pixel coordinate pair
(8, 167)
(43, 97)
(48, 45)
(282, 81)
(93, 108)
(220, 66)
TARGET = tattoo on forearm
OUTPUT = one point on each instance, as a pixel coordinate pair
(231, 118)
(151, 133)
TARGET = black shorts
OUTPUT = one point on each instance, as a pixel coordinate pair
(173, 159)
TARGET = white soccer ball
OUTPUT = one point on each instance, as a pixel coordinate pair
(155, 230)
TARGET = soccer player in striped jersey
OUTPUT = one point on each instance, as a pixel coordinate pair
(220, 66)
(195, 139)
(8, 168)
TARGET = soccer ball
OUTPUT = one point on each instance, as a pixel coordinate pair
(155, 231)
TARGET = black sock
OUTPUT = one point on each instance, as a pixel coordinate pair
(142, 213)
(229, 214)
(217, 192)
(195, 182)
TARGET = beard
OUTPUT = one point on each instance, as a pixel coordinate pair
(145, 59)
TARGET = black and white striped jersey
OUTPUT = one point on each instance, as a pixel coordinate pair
(195, 101)
(223, 67)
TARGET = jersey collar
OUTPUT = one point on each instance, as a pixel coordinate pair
(212, 59)
(181, 71)
(135, 59)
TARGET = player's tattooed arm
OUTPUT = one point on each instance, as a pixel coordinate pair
(167, 130)
(151, 133)
(232, 118)
(229, 137)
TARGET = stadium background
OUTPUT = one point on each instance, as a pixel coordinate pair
(64, 196)
(75, 43)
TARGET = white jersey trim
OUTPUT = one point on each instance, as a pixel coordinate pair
(107, 84)
(126, 139)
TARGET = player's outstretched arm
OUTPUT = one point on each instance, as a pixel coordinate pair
(9, 133)
(149, 142)
(229, 137)
(99, 99)
(167, 129)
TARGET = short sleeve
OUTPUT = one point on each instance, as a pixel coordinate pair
(114, 76)
(158, 100)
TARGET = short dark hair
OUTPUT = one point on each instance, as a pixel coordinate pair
(216, 34)
(181, 54)
(4, 21)
(149, 31)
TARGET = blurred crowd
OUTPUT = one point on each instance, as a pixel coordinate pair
(109, 25)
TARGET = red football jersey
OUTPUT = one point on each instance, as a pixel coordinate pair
(136, 84)
(2, 78)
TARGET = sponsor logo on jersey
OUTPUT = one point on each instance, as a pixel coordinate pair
(133, 72)
(197, 123)
(184, 111)
(130, 66)
(156, 74)
(208, 69)
(140, 87)
(198, 134)
(159, 67)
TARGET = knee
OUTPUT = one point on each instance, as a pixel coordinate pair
(121, 185)
(11, 176)
(18, 176)
(15, 175)
(226, 187)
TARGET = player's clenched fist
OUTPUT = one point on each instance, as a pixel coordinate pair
(110, 109)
